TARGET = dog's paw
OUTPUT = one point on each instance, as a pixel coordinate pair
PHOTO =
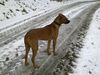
(54, 53)
(49, 53)
(36, 66)
(26, 64)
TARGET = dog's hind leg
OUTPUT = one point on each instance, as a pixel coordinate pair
(34, 45)
(27, 48)
(48, 47)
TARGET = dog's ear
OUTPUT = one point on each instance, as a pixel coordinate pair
(60, 14)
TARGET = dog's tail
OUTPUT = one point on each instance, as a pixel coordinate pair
(26, 42)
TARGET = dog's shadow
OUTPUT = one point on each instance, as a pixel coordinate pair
(42, 52)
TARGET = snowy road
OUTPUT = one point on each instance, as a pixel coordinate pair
(15, 65)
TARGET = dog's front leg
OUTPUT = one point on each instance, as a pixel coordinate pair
(48, 48)
(54, 46)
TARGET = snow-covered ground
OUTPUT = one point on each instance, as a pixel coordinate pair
(89, 61)
(14, 11)
(14, 8)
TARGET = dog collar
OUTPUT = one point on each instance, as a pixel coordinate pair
(56, 23)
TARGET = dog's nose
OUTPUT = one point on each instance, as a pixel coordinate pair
(68, 21)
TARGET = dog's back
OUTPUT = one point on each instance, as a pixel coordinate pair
(40, 33)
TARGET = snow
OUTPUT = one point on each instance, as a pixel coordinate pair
(39, 6)
(89, 61)
(33, 9)
(19, 42)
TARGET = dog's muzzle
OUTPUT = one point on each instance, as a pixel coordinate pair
(68, 21)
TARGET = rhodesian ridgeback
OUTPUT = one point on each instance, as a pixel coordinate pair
(49, 32)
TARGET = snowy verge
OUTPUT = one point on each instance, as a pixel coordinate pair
(89, 61)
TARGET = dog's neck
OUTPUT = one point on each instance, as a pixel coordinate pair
(57, 23)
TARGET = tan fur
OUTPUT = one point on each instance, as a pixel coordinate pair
(49, 32)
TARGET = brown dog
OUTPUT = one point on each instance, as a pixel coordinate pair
(49, 32)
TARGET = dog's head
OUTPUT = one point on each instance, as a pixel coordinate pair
(61, 19)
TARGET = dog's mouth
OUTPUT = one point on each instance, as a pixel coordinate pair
(68, 21)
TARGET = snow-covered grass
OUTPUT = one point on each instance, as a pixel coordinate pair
(14, 11)
(89, 61)
(11, 8)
